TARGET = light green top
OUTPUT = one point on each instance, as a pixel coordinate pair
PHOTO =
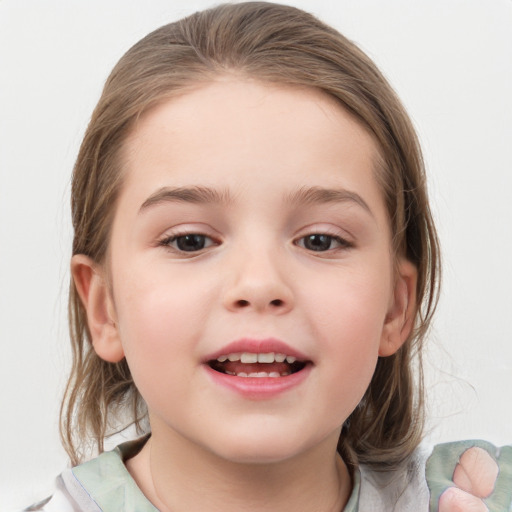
(113, 489)
(105, 485)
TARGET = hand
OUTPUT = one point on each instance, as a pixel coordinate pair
(474, 478)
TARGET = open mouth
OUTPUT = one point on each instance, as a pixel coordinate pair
(248, 364)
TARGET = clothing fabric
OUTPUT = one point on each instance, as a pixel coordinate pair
(105, 485)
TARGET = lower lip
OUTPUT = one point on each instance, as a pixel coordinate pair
(259, 388)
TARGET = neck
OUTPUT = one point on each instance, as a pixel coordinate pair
(181, 476)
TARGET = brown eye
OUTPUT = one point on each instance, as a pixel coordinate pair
(320, 242)
(191, 242)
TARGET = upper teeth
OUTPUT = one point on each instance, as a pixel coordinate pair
(249, 357)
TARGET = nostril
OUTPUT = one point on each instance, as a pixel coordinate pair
(273, 304)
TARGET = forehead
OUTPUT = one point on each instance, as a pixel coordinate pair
(246, 134)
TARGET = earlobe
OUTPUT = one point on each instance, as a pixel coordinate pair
(402, 312)
(94, 293)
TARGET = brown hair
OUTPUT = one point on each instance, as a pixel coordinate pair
(270, 43)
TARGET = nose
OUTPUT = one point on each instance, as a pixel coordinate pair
(258, 282)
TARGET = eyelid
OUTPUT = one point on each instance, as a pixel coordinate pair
(325, 229)
(189, 229)
(171, 238)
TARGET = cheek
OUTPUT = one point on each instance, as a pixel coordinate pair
(156, 305)
(354, 304)
(158, 326)
(158, 331)
(350, 318)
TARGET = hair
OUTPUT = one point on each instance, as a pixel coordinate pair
(276, 44)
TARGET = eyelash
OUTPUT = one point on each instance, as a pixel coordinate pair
(328, 238)
(166, 242)
(342, 243)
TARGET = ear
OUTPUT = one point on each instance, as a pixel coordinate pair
(402, 310)
(95, 295)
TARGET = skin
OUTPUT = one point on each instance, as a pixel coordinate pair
(165, 310)
(474, 479)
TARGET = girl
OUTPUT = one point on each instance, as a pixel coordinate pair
(255, 268)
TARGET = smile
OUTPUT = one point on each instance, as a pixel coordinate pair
(259, 365)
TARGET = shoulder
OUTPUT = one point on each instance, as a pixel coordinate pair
(102, 483)
(68, 497)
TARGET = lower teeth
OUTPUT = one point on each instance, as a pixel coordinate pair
(260, 374)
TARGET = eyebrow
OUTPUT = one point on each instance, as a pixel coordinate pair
(206, 195)
(196, 194)
(320, 195)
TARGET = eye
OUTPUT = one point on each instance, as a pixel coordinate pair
(319, 242)
(191, 242)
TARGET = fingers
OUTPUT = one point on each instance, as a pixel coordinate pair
(457, 500)
(476, 473)
(475, 477)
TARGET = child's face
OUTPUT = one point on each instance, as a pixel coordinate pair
(250, 215)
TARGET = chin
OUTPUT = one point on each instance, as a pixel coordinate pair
(256, 457)
(269, 449)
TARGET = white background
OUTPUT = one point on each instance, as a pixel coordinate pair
(451, 63)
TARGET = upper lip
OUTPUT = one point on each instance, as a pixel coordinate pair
(256, 346)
